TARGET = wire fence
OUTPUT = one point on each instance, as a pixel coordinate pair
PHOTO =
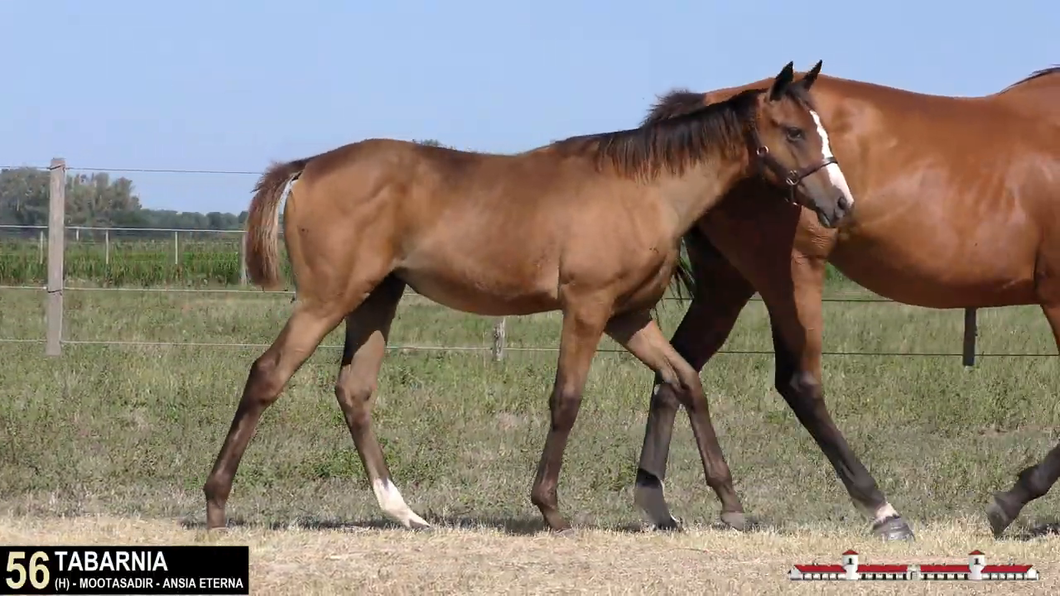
(498, 349)
(58, 258)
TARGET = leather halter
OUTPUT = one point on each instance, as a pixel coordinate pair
(792, 178)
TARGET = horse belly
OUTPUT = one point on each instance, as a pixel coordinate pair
(936, 276)
(486, 283)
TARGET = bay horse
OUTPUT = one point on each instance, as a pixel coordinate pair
(958, 207)
(589, 226)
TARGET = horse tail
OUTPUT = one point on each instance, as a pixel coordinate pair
(263, 223)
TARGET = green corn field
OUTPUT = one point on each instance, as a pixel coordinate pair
(144, 263)
(126, 263)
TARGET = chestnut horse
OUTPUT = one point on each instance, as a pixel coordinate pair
(958, 207)
(590, 226)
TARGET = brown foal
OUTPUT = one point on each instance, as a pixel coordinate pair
(957, 208)
(589, 226)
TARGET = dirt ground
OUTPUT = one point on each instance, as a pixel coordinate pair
(489, 561)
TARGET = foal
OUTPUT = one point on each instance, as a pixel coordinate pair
(589, 226)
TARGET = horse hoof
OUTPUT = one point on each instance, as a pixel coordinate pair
(673, 525)
(893, 528)
(1000, 514)
(648, 496)
(735, 520)
(566, 533)
(420, 527)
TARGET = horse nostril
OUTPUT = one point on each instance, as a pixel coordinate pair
(844, 203)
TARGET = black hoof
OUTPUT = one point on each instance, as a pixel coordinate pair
(893, 528)
(1001, 513)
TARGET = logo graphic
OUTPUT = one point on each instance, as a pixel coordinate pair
(975, 570)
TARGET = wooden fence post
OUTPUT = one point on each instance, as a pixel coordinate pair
(970, 332)
(499, 337)
(243, 258)
(56, 243)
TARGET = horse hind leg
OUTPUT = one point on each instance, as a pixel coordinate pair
(320, 307)
(367, 329)
(305, 329)
(702, 332)
(1034, 481)
(1031, 483)
(640, 335)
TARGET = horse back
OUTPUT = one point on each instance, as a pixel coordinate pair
(1037, 96)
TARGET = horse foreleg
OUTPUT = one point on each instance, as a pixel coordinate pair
(797, 326)
(583, 326)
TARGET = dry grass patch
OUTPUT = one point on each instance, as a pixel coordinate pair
(487, 561)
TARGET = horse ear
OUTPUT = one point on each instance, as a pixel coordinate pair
(781, 82)
(807, 80)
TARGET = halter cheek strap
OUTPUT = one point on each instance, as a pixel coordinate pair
(792, 178)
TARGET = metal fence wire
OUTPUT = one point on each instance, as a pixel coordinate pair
(58, 258)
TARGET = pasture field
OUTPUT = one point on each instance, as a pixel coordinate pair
(128, 433)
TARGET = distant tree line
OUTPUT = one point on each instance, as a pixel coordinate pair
(98, 200)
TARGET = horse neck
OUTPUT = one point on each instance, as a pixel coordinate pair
(693, 193)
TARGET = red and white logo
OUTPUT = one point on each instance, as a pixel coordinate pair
(975, 570)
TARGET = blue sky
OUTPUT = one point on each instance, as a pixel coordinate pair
(232, 85)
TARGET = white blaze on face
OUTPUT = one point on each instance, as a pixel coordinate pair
(835, 175)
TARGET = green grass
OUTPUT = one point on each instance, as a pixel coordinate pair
(133, 430)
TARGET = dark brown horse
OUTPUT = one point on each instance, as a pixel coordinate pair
(589, 226)
(958, 207)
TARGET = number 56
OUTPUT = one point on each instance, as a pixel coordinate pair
(35, 569)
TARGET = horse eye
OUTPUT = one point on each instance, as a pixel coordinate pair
(794, 134)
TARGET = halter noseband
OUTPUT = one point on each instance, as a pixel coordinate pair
(792, 178)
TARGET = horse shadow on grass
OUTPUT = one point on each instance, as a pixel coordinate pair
(511, 525)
